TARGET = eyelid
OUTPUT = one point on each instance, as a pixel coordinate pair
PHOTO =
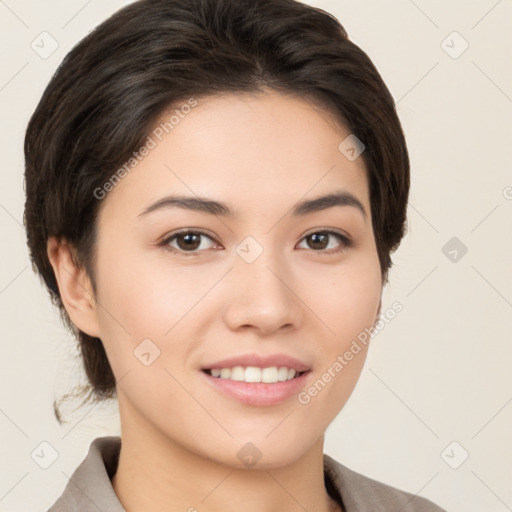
(328, 230)
(166, 239)
(345, 239)
(202, 231)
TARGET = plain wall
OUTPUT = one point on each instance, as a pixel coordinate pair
(439, 373)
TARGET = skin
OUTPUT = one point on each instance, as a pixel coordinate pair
(261, 154)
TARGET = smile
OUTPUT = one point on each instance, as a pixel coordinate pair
(263, 387)
(268, 375)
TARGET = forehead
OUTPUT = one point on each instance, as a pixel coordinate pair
(245, 150)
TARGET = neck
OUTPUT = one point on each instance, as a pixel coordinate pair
(154, 473)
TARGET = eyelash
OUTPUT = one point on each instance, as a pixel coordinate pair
(346, 242)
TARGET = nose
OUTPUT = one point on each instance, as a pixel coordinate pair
(260, 296)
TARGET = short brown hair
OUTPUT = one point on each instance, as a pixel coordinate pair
(113, 86)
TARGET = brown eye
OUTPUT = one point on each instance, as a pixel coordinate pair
(319, 241)
(187, 242)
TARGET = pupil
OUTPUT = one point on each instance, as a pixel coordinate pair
(315, 238)
(188, 237)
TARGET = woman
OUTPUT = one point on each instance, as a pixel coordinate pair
(214, 189)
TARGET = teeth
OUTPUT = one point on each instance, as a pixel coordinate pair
(268, 375)
(237, 373)
(252, 374)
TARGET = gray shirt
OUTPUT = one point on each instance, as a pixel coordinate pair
(90, 488)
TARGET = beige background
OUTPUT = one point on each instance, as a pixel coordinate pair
(439, 372)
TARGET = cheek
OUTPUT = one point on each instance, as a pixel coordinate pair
(348, 301)
(137, 293)
(149, 298)
(348, 306)
(349, 309)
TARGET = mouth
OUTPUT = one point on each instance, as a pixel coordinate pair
(255, 386)
(255, 374)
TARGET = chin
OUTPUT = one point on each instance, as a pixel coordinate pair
(265, 450)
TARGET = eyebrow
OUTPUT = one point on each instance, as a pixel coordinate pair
(212, 207)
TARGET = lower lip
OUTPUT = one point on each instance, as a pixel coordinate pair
(258, 393)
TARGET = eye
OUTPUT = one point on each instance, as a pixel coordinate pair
(188, 242)
(319, 240)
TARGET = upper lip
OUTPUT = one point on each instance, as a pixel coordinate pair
(259, 361)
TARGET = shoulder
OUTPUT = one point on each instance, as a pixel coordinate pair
(362, 494)
(89, 488)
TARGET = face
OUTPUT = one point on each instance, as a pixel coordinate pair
(281, 287)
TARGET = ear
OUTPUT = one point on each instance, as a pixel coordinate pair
(74, 287)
